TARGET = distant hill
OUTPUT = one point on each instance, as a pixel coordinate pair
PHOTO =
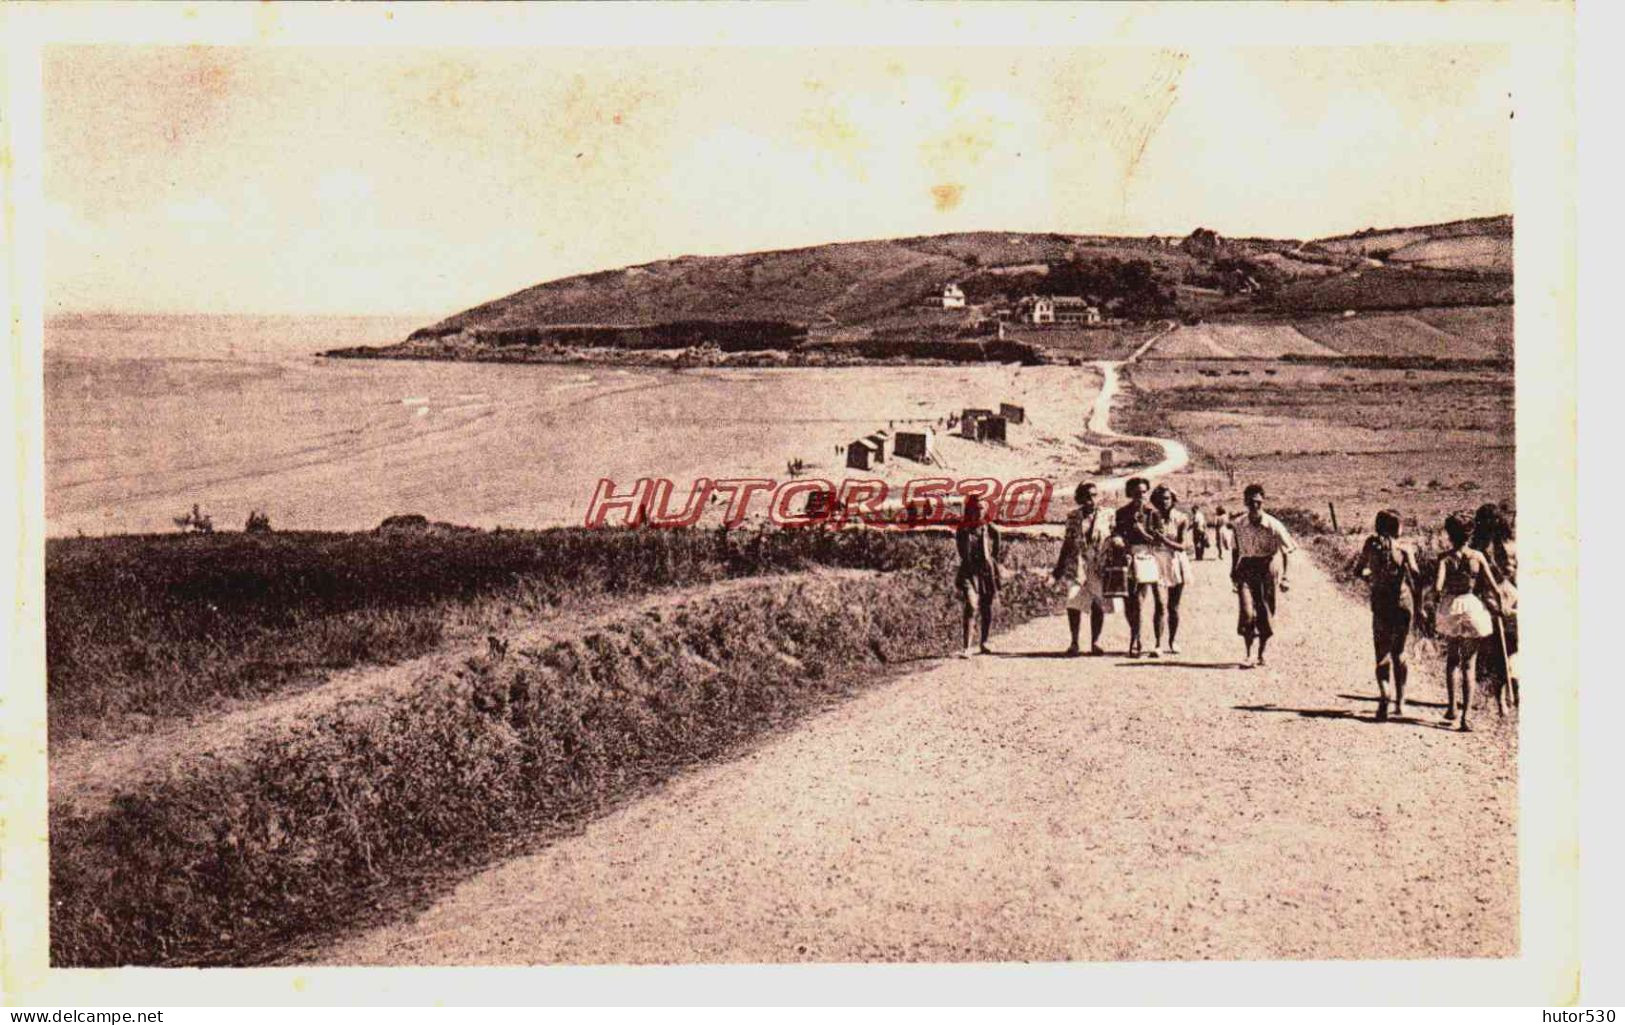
(838, 284)
(852, 289)
(1483, 243)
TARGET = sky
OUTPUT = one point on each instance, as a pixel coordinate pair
(261, 179)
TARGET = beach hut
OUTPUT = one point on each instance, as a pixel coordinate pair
(860, 454)
(968, 421)
(991, 428)
(880, 440)
(819, 503)
(1013, 413)
(915, 445)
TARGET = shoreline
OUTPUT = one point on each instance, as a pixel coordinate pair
(703, 357)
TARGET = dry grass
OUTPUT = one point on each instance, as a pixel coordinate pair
(238, 852)
(144, 628)
(1396, 336)
(1488, 327)
(951, 350)
(1476, 252)
(1426, 442)
(1231, 341)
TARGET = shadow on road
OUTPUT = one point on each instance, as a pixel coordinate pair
(1086, 657)
(1343, 713)
(1035, 654)
(1373, 699)
(1167, 663)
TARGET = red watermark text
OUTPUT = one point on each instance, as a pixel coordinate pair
(816, 502)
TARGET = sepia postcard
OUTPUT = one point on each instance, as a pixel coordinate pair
(1069, 489)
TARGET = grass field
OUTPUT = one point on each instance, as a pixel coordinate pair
(1472, 252)
(1237, 341)
(1489, 327)
(1394, 336)
(1392, 288)
(1469, 333)
(1087, 343)
(1425, 442)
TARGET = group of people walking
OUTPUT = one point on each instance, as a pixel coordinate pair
(1472, 605)
(1147, 545)
(1137, 557)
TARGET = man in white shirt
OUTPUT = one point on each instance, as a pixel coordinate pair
(1259, 537)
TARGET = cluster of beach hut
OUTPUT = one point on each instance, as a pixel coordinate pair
(866, 452)
(919, 444)
(978, 424)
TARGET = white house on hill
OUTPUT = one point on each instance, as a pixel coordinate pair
(952, 298)
(1058, 309)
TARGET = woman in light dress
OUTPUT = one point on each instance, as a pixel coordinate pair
(1172, 559)
(1081, 567)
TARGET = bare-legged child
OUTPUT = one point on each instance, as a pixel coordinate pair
(1178, 536)
(1392, 571)
(1461, 618)
(1140, 526)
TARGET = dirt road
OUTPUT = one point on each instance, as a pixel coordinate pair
(1024, 806)
(1175, 456)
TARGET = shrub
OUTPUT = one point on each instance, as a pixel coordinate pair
(1302, 522)
(194, 522)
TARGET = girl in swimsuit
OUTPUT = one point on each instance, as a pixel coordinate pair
(1461, 618)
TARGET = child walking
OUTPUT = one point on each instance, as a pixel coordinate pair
(1178, 531)
(1461, 618)
(1392, 571)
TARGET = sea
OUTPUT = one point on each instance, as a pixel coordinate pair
(147, 416)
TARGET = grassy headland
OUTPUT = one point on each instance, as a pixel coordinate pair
(857, 302)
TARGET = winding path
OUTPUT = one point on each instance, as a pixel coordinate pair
(1175, 456)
